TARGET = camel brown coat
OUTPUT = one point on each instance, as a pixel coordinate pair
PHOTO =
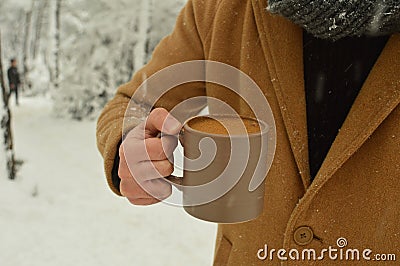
(356, 193)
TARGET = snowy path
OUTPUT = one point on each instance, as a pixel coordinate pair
(60, 212)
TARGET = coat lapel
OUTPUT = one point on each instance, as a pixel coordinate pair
(282, 44)
(283, 49)
(378, 97)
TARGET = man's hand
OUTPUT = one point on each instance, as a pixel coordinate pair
(12, 86)
(145, 159)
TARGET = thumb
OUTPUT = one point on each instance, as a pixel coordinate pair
(160, 120)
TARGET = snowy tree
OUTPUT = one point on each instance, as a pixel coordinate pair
(57, 39)
(7, 162)
(80, 51)
(103, 45)
(143, 29)
(26, 50)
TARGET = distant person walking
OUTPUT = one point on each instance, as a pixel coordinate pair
(13, 78)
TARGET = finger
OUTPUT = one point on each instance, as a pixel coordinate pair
(143, 202)
(124, 171)
(158, 189)
(148, 170)
(160, 148)
(160, 120)
(129, 188)
(169, 144)
(135, 151)
(152, 149)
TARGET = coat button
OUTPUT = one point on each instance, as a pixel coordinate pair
(303, 235)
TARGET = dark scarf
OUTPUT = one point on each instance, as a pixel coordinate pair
(335, 19)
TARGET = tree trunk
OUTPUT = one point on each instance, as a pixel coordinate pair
(6, 141)
(142, 36)
(34, 17)
(41, 6)
(49, 21)
(148, 50)
(57, 46)
(26, 51)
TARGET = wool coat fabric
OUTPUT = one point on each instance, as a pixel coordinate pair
(332, 19)
(355, 197)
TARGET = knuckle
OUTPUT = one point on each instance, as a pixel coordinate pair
(123, 189)
(169, 168)
(159, 111)
(121, 152)
(155, 149)
(122, 171)
(165, 168)
(128, 189)
(125, 174)
(125, 147)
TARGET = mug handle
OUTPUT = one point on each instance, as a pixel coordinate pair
(177, 180)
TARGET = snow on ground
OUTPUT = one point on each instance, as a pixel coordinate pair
(60, 212)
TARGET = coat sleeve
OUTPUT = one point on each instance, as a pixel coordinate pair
(183, 44)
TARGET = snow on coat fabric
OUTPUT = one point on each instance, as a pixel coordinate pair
(354, 199)
(332, 19)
